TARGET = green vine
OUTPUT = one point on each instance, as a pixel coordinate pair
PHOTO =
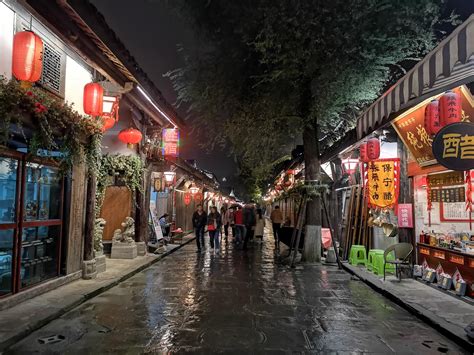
(309, 188)
(56, 126)
(129, 168)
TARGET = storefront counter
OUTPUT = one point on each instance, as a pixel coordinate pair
(450, 261)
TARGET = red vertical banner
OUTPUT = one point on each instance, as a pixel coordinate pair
(187, 198)
(405, 215)
(170, 142)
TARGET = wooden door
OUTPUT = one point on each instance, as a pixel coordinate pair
(117, 205)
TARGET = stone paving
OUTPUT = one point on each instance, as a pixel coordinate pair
(236, 302)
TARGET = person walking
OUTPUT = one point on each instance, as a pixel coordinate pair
(225, 215)
(259, 225)
(214, 224)
(239, 225)
(249, 222)
(199, 223)
(165, 226)
(277, 219)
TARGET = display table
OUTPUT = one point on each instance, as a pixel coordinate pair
(450, 260)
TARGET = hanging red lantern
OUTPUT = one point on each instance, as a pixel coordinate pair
(93, 99)
(108, 123)
(27, 61)
(432, 123)
(187, 198)
(130, 136)
(450, 108)
(363, 153)
(373, 149)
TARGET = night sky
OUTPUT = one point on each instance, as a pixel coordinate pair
(151, 31)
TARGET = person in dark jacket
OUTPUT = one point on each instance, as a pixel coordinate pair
(214, 224)
(249, 222)
(199, 223)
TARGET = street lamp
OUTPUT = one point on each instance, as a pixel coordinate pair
(350, 165)
(169, 176)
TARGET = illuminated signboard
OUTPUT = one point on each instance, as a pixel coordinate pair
(170, 142)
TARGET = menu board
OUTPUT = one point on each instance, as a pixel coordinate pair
(454, 212)
(454, 194)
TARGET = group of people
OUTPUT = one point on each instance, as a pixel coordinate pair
(244, 223)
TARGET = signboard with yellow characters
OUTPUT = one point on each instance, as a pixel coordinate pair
(382, 180)
(410, 127)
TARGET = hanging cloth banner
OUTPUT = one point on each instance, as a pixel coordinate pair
(382, 181)
(469, 196)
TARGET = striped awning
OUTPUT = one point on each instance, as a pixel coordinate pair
(450, 64)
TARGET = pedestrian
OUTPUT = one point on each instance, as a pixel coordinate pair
(249, 222)
(214, 224)
(277, 219)
(225, 214)
(165, 226)
(239, 225)
(231, 219)
(259, 225)
(199, 223)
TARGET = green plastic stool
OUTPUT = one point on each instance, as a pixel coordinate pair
(370, 258)
(357, 255)
(378, 264)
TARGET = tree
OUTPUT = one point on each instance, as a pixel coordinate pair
(269, 71)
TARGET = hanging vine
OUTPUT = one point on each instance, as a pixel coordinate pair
(129, 168)
(56, 126)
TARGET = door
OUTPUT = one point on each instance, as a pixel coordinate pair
(116, 207)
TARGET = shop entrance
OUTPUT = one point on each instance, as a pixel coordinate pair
(31, 205)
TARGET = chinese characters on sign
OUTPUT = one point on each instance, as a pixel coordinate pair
(455, 194)
(453, 146)
(411, 129)
(170, 142)
(405, 215)
(382, 181)
(446, 179)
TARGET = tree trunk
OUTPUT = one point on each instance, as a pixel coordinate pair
(312, 245)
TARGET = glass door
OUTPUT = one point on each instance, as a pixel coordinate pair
(8, 221)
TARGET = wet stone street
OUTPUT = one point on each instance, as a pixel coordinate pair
(236, 302)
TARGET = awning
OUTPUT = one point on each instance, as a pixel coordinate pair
(449, 65)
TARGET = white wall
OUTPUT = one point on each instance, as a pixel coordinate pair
(76, 77)
(6, 40)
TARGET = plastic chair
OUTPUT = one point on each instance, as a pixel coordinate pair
(357, 255)
(403, 252)
(371, 258)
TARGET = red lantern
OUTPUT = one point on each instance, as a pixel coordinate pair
(108, 123)
(363, 153)
(93, 99)
(130, 136)
(373, 149)
(450, 108)
(27, 61)
(432, 123)
(187, 198)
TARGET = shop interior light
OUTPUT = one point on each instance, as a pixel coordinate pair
(169, 176)
(194, 189)
(350, 165)
(108, 104)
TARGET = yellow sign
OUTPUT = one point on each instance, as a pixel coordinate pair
(382, 182)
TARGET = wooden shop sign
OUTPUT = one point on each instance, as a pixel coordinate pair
(455, 194)
(410, 127)
(451, 178)
(453, 146)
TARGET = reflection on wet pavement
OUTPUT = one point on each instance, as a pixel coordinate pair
(237, 302)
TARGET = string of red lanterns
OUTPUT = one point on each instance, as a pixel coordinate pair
(442, 112)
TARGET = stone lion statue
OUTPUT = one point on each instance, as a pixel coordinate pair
(128, 234)
(98, 231)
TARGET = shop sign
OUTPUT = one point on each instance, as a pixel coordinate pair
(405, 215)
(187, 198)
(410, 127)
(453, 146)
(382, 181)
(157, 184)
(455, 194)
(170, 142)
(449, 178)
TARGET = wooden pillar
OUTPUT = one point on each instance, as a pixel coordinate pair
(142, 199)
(90, 218)
(406, 235)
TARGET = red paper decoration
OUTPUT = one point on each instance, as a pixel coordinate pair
(187, 198)
(93, 99)
(108, 122)
(450, 108)
(469, 196)
(432, 122)
(27, 61)
(130, 136)
(363, 153)
(373, 149)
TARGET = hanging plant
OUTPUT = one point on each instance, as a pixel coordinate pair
(56, 125)
(129, 168)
